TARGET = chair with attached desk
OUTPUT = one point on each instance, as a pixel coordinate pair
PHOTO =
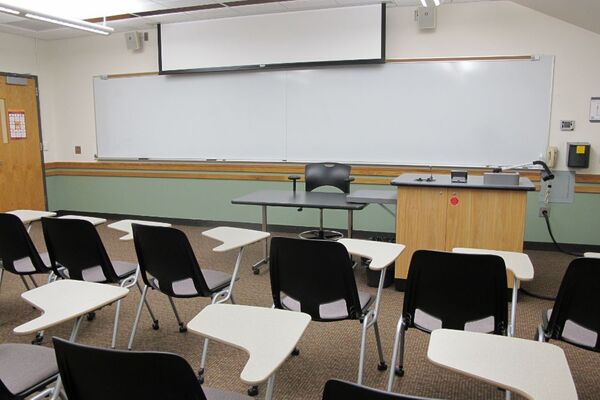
(168, 265)
(316, 277)
(324, 174)
(18, 254)
(76, 252)
(26, 369)
(91, 373)
(451, 290)
(340, 390)
(575, 316)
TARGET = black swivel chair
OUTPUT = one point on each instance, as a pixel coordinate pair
(18, 254)
(90, 373)
(316, 277)
(341, 390)
(168, 264)
(451, 290)
(25, 370)
(76, 252)
(575, 317)
(324, 174)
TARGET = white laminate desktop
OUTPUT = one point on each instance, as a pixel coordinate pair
(92, 220)
(234, 238)
(66, 299)
(274, 335)
(30, 216)
(125, 226)
(381, 254)
(536, 370)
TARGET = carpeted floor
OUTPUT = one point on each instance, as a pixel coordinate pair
(328, 350)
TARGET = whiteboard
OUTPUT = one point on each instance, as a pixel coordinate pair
(463, 113)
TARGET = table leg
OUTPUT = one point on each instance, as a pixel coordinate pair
(513, 307)
(270, 385)
(58, 386)
(350, 222)
(392, 213)
(265, 259)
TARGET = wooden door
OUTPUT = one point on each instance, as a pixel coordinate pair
(420, 222)
(21, 163)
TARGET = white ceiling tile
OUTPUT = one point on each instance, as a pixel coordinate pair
(4, 18)
(256, 9)
(223, 12)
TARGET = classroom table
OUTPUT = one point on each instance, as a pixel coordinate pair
(269, 343)
(381, 254)
(30, 216)
(591, 254)
(92, 220)
(381, 197)
(521, 267)
(64, 300)
(125, 226)
(299, 199)
(533, 369)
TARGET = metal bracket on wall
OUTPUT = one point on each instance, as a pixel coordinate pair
(563, 187)
(3, 126)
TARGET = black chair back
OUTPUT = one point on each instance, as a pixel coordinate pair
(166, 254)
(578, 302)
(341, 390)
(15, 244)
(327, 174)
(90, 373)
(313, 272)
(75, 245)
(457, 289)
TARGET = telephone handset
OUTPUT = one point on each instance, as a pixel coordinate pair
(551, 156)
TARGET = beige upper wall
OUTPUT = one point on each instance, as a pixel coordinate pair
(66, 67)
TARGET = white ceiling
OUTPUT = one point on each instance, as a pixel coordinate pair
(584, 13)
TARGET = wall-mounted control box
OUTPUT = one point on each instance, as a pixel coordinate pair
(578, 155)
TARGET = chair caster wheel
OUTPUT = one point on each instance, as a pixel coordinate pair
(399, 371)
(253, 391)
(381, 366)
(38, 340)
(155, 325)
(296, 351)
(255, 271)
(182, 328)
(91, 316)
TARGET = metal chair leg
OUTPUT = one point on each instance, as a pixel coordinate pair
(1, 276)
(363, 346)
(113, 343)
(33, 281)
(182, 327)
(154, 320)
(25, 282)
(382, 366)
(399, 338)
(137, 317)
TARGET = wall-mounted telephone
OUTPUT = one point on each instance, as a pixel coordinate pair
(551, 156)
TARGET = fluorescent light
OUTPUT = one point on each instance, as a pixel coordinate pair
(9, 11)
(102, 30)
(424, 2)
(437, 2)
(71, 23)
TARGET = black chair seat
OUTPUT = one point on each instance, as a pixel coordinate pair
(215, 280)
(123, 269)
(24, 367)
(335, 310)
(575, 333)
(25, 265)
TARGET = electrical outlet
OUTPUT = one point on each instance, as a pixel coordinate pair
(77, 149)
(544, 210)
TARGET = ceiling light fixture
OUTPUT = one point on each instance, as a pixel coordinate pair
(424, 2)
(437, 2)
(71, 23)
(9, 10)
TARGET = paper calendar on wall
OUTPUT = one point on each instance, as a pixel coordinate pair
(16, 124)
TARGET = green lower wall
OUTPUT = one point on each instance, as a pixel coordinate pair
(209, 199)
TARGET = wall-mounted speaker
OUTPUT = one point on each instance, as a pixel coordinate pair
(133, 40)
(426, 17)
